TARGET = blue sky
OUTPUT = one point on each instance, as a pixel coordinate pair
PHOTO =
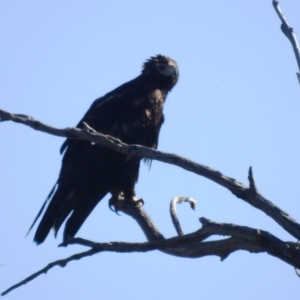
(236, 105)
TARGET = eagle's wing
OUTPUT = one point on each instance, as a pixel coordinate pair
(84, 180)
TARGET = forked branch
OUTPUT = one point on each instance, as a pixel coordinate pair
(190, 245)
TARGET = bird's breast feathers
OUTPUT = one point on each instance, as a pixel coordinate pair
(146, 115)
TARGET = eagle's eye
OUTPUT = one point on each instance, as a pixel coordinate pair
(161, 67)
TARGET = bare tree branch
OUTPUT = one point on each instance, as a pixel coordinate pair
(237, 188)
(190, 245)
(288, 32)
(138, 213)
(173, 213)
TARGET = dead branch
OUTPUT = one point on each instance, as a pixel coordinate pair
(190, 245)
(288, 32)
(173, 213)
(238, 189)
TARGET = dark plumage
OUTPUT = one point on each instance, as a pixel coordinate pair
(133, 113)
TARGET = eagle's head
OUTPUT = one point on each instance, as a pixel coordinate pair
(162, 70)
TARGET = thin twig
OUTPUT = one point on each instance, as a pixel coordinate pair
(115, 247)
(252, 185)
(173, 213)
(288, 32)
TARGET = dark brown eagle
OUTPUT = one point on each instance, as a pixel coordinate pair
(133, 113)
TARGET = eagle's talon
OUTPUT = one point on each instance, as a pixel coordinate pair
(116, 203)
(139, 202)
(113, 208)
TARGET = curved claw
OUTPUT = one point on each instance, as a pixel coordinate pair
(112, 205)
(115, 203)
(140, 202)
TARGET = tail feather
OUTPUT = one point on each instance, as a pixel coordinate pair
(63, 203)
(42, 208)
(80, 213)
(52, 213)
